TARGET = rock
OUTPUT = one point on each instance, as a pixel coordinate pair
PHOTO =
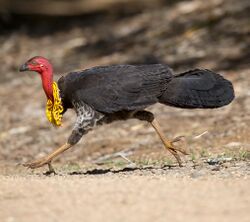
(220, 160)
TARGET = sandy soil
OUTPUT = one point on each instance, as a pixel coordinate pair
(206, 192)
(126, 197)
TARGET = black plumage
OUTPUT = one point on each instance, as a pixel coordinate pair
(109, 89)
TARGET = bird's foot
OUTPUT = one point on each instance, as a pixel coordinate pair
(47, 160)
(38, 163)
(169, 145)
(179, 149)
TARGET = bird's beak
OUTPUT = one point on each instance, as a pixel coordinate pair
(23, 68)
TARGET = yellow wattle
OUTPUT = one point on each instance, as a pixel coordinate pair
(54, 108)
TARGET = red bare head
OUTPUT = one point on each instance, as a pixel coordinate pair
(42, 66)
(38, 64)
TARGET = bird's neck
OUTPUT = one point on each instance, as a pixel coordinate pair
(47, 82)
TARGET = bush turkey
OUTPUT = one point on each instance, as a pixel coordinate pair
(119, 92)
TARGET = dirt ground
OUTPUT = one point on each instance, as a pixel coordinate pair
(120, 172)
(125, 197)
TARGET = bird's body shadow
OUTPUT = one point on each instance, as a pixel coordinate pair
(123, 170)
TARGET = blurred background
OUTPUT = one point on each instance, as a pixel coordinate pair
(78, 34)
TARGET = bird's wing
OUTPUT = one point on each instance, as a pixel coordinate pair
(120, 87)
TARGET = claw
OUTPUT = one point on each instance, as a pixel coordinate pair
(177, 139)
(174, 148)
(173, 151)
(37, 163)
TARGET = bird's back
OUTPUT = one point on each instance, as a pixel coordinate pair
(118, 87)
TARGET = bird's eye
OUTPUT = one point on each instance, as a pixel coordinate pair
(41, 65)
(33, 63)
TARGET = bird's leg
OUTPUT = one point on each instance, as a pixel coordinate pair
(168, 143)
(86, 119)
(48, 159)
(51, 169)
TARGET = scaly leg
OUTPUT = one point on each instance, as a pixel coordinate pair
(87, 118)
(167, 143)
(48, 159)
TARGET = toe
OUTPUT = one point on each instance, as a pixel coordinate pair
(35, 164)
(182, 141)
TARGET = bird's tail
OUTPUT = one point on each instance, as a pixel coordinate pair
(198, 89)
